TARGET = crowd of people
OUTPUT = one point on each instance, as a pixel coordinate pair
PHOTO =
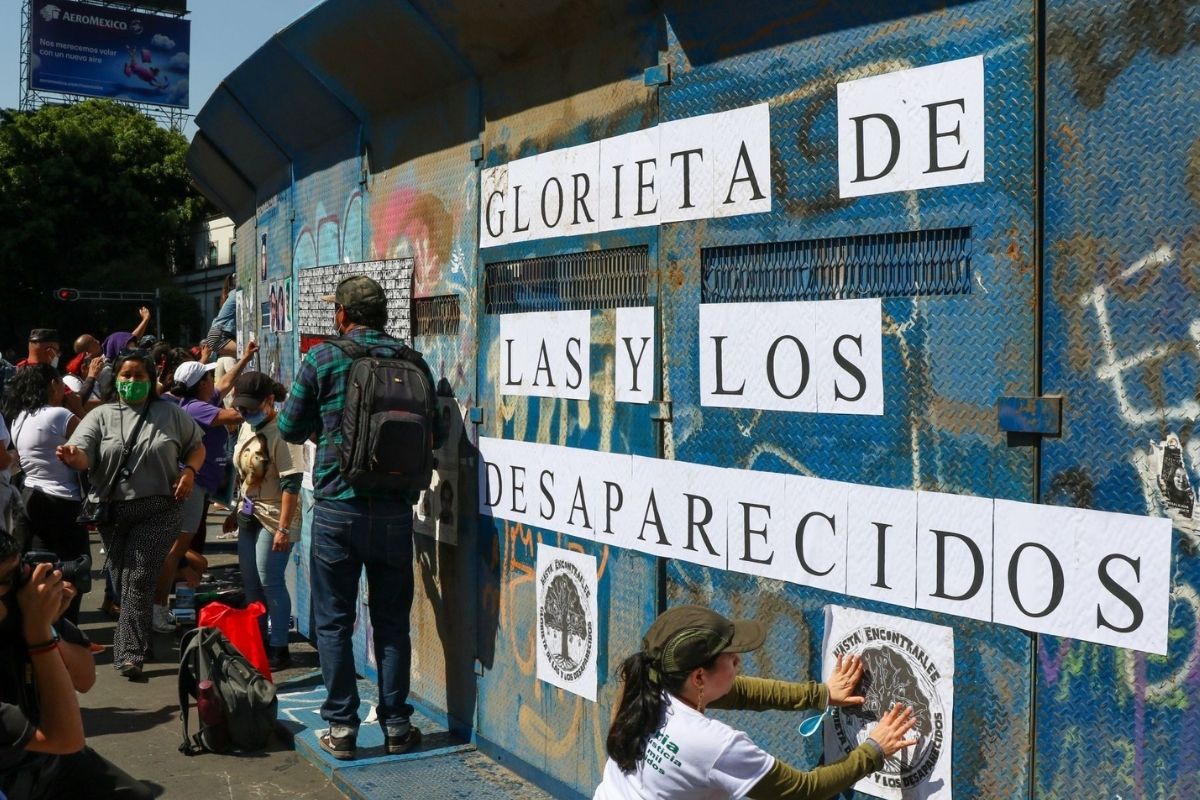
(134, 438)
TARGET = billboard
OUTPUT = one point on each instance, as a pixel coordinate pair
(101, 51)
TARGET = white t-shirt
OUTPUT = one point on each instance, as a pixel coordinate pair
(36, 436)
(691, 756)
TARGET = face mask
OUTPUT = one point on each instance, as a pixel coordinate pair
(54, 361)
(133, 391)
(255, 418)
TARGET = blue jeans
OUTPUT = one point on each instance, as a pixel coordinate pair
(348, 535)
(262, 577)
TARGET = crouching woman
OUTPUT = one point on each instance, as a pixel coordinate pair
(662, 744)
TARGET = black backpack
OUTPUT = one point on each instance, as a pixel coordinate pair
(247, 699)
(389, 418)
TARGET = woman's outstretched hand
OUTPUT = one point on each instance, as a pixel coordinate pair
(890, 731)
(847, 672)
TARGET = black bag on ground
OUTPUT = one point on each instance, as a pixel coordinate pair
(388, 420)
(247, 704)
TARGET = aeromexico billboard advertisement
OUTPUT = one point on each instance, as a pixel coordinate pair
(102, 51)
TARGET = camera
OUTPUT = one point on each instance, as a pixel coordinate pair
(78, 572)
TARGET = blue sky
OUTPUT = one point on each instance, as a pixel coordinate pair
(224, 33)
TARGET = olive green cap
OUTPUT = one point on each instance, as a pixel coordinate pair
(356, 289)
(686, 637)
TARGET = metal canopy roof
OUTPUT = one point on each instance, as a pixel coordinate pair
(337, 81)
(396, 78)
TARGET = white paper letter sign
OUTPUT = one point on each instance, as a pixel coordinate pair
(911, 129)
(906, 662)
(715, 165)
(546, 354)
(567, 630)
(635, 355)
(816, 357)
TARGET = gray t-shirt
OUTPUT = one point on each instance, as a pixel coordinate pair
(162, 444)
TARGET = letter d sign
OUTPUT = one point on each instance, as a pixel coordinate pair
(912, 129)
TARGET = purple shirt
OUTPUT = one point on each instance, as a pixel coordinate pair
(214, 469)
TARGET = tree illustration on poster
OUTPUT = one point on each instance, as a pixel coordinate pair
(567, 620)
(563, 613)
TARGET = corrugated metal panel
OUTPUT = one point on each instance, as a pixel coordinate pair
(1122, 218)
(946, 358)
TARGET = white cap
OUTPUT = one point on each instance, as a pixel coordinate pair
(189, 373)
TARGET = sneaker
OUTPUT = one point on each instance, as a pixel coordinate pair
(132, 671)
(163, 620)
(344, 747)
(395, 745)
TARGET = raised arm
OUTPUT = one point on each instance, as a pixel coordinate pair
(140, 330)
(230, 377)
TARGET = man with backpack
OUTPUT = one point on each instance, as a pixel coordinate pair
(368, 401)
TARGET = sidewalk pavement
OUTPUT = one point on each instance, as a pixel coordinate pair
(136, 725)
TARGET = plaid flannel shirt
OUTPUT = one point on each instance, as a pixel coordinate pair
(314, 406)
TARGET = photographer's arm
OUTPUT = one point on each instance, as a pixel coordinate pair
(75, 648)
(60, 731)
(80, 664)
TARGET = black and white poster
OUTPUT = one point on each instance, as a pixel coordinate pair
(567, 627)
(907, 662)
(315, 316)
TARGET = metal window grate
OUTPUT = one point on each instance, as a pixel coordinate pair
(596, 279)
(931, 262)
(436, 315)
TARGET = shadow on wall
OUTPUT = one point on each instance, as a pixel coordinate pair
(467, 625)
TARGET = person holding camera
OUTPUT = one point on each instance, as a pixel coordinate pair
(51, 494)
(662, 744)
(132, 447)
(44, 661)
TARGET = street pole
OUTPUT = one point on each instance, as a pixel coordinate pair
(158, 313)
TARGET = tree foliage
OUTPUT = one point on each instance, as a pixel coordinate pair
(97, 196)
(564, 611)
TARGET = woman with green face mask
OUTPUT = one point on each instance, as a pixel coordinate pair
(132, 447)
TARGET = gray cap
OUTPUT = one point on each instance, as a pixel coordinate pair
(356, 289)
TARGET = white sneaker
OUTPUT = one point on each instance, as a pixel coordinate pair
(163, 620)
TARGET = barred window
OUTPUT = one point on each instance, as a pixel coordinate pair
(929, 262)
(613, 278)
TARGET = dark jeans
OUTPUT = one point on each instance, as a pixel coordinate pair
(48, 523)
(348, 535)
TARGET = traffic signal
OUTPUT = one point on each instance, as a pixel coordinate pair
(67, 294)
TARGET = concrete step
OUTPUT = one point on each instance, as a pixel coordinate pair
(442, 767)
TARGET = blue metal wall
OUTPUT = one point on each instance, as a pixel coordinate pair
(946, 359)
(1101, 314)
(1122, 218)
